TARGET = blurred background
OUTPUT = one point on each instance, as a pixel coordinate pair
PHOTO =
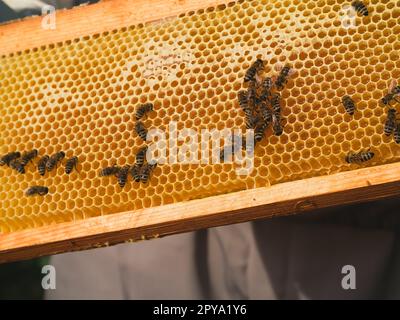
(21, 280)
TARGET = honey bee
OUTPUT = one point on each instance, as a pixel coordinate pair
(141, 130)
(266, 87)
(71, 164)
(109, 171)
(135, 172)
(251, 73)
(42, 165)
(122, 175)
(143, 109)
(390, 123)
(349, 105)
(251, 121)
(397, 133)
(259, 131)
(276, 103)
(37, 190)
(266, 113)
(6, 159)
(28, 156)
(360, 7)
(277, 125)
(281, 80)
(392, 94)
(141, 155)
(359, 157)
(17, 165)
(54, 159)
(146, 171)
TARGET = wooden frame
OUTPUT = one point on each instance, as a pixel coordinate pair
(342, 188)
(286, 198)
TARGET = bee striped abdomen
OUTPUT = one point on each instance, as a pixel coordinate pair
(362, 156)
(135, 172)
(109, 171)
(146, 171)
(17, 166)
(360, 7)
(396, 133)
(390, 123)
(143, 109)
(349, 105)
(141, 155)
(141, 130)
(122, 176)
(282, 77)
(42, 165)
(71, 164)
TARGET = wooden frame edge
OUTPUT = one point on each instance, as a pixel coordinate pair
(97, 18)
(292, 197)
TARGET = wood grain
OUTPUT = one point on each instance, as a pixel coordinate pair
(93, 19)
(292, 197)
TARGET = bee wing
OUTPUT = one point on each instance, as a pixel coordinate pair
(392, 85)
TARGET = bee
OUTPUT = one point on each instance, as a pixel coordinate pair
(266, 113)
(146, 171)
(266, 87)
(42, 165)
(37, 190)
(71, 164)
(135, 172)
(391, 95)
(109, 171)
(397, 133)
(141, 130)
(28, 156)
(143, 109)
(259, 131)
(141, 155)
(277, 125)
(17, 165)
(252, 121)
(360, 7)
(282, 77)
(359, 157)
(276, 103)
(122, 175)
(390, 123)
(6, 159)
(251, 73)
(54, 159)
(349, 105)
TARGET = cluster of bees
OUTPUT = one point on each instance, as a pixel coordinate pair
(141, 170)
(18, 162)
(260, 104)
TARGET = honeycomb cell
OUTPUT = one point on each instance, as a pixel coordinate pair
(80, 96)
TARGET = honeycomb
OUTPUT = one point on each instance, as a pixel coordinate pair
(80, 96)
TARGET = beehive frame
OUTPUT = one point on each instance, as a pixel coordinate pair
(147, 223)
